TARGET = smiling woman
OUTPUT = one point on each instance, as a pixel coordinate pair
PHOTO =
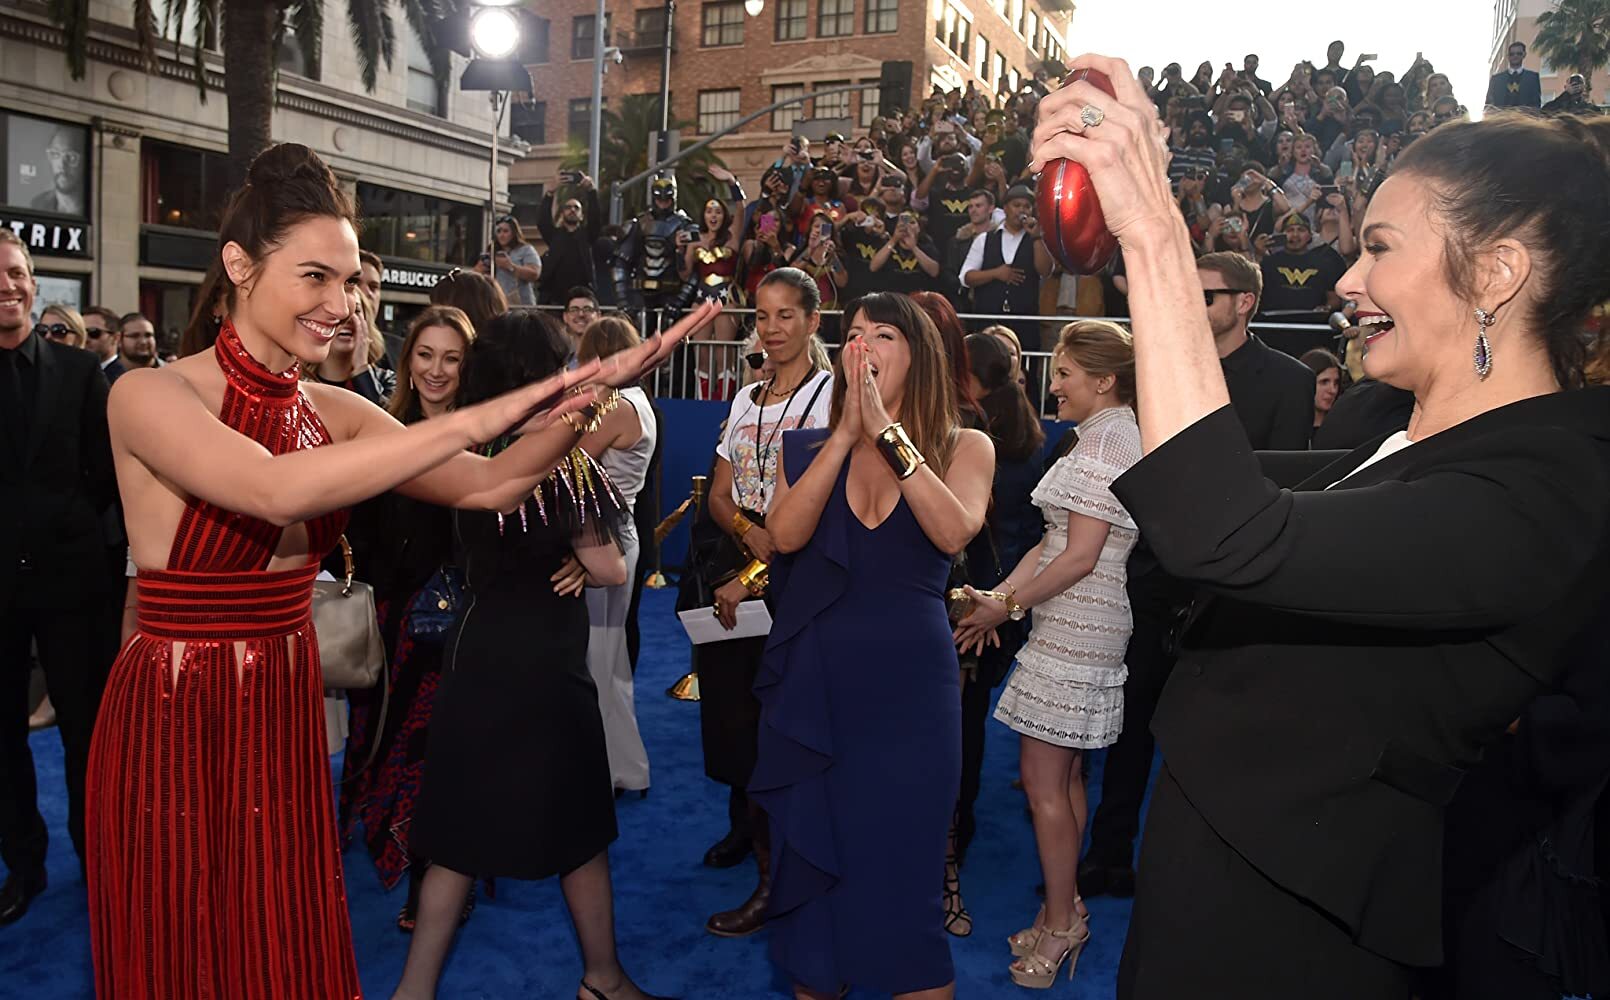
(1356, 681)
(235, 477)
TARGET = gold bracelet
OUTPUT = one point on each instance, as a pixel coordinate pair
(896, 448)
(754, 577)
(740, 524)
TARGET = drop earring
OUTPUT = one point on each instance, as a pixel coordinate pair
(1483, 356)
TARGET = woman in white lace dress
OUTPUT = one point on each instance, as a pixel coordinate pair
(1067, 693)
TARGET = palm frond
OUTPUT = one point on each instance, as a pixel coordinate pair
(422, 17)
(372, 37)
(73, 16)
(307, 20)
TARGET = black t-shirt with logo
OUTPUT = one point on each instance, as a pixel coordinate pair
(947, 212)
(861, 244)
(902, 272)
(1293, 281)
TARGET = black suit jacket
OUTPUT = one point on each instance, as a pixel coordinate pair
(1527, 90)
(1273, 395)
(1357, 646)
(113, 369)
(56, 488)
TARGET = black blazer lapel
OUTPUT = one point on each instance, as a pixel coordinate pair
(45, 391)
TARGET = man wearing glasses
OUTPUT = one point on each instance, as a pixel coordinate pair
(137, 342)
(581, 308)
(101, 338)
(570, 233)
(66, 195)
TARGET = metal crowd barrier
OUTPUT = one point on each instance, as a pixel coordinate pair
(715, 369)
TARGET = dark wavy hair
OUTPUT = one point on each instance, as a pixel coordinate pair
(1009, 416)
(477, 295)
(1555, 200)
(954, 336)
(515, 349)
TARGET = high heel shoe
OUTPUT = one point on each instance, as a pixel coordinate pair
(1024, 941)
(599, 994)
(958, 922)
(1037, 972)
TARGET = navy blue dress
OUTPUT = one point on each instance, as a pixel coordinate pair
(860, 749)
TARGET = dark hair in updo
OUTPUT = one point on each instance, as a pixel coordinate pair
(287, 184)
(810, 294)
(1555, 198)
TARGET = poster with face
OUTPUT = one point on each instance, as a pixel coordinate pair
(61, 290)
(46, 166)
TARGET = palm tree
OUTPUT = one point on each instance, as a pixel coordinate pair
(1575, 35)
(624, 152)
(251, 33)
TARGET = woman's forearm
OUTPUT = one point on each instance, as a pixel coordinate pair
(1178, 379)
(475, 482)
(947, 522)
(798, 507)
(1025, 569)
(1059, 575)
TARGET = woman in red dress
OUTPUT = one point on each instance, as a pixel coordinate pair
(213, 863)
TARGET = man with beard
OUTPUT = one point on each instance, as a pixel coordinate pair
(1249, 73)
(1302, 276)
(66, 194)
(1197, 150)
(946, 140)
(56, 484)
(982, 217)
(137, 342)
(570, 236)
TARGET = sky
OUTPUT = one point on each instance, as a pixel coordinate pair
(1455, 35)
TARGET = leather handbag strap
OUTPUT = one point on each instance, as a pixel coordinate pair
(380, 727)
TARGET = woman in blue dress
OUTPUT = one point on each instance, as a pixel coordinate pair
(860, 737)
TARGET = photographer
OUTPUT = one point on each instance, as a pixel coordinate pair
(570, 232)
(1574, 100)
(1302, 184)
(1330, 122)
(907, 262)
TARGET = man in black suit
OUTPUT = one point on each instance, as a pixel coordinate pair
(56, 483)
(101, 326)
(1515, 87)
(1273, 396)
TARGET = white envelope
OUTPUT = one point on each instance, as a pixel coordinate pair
(703, 626)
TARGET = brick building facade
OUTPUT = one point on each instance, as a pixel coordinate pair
(726, 64)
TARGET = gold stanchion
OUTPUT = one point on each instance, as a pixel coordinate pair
(686, 689)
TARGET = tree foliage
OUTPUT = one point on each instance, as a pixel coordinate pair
(1575, 35)
(624, 152)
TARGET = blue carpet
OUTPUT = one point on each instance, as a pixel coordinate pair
(521, 944)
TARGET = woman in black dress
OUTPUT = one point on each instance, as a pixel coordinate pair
(517, 783)
(1330, 693)
(403, 548)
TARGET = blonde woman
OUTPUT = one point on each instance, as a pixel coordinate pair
(1067, 694)
(63, 324)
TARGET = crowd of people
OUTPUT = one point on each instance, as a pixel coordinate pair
(1372, 662)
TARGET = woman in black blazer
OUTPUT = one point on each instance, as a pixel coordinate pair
(1359, 638)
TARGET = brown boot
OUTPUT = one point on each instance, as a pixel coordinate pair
(751, 916)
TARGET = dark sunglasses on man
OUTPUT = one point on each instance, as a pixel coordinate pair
(1209, 294)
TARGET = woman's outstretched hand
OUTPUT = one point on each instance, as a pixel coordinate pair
(530, 407)
(628, 366)
(1126, 154)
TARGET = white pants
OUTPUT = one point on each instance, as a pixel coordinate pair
(611, 667)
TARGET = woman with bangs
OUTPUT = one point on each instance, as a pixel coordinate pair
(860, 737)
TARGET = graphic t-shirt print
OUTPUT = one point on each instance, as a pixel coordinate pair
(752, 442)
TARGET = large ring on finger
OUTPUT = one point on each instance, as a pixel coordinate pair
(1090, 116)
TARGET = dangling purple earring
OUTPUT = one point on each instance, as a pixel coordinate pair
(1483, 356)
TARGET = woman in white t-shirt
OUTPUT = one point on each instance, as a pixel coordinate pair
(798, 395)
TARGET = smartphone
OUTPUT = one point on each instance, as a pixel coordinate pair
(1329, 189)
(767, 224)
(1225, 145)
(867, 155)
(1368, 57)
(1277, 241)
(1236, 115)
(570, 176)
(1233, 225)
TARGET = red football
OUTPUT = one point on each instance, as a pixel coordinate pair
(1070, 213)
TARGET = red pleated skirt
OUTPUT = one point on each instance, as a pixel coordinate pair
(214, 868)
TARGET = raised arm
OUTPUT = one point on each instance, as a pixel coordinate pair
(1179, 380)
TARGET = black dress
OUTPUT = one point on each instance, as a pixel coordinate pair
(517, 782)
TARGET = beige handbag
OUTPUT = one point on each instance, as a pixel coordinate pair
(350, 648)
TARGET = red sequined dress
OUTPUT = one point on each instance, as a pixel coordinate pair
(213, 863)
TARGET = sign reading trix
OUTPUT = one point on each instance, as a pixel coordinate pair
(46, 236)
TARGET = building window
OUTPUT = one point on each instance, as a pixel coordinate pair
(181, 186)
(835, 18)
(47, 166)
(882, 16)
(418, 227)
(526, 200)
(783, 119)
(291, 58)
(998, 81)
(723, 24)
(869, 105)
(718, 109)
(1015, 79)
(952, 30)
(581, 35)
(579, 123)
(833, 106)
(649, 26)
(1033, 32)
(529, 121)
(537, 45)
(425, 93)
(981, 63)
(791, 20)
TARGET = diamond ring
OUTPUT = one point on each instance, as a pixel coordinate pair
(1091, 116)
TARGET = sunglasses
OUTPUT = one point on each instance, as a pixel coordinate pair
(1209, 294)
(54, 331)
(755, 360)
